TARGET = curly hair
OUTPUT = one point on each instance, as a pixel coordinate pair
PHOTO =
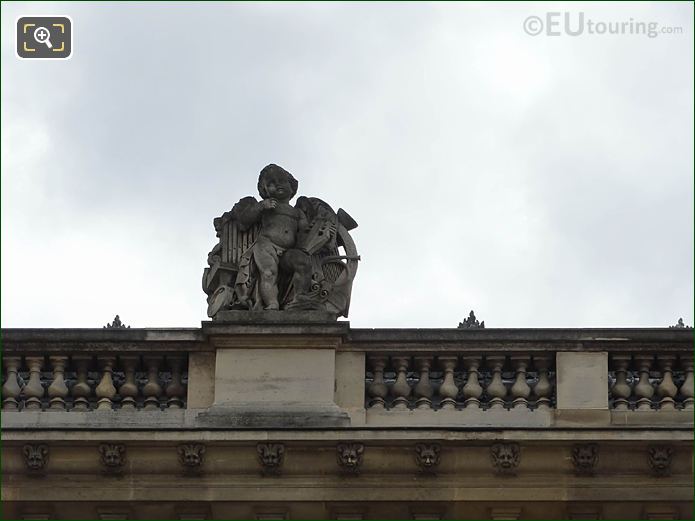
(275, 169)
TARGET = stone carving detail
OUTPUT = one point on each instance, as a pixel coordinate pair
(191, 455)
(116, 324)
(660, 458)
(275, 256)
(585, 458)
(112, 456)
(680, 325)
(505, 457)
(427, 457)
(35, 456)
(471, 322)
(271, 457)
(350, 457)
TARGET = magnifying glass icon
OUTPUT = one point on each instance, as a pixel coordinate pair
(43, 35)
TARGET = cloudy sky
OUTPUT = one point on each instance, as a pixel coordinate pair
(544, 181)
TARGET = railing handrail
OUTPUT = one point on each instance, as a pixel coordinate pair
(452, 340)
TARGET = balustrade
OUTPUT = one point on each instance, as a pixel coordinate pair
(400, 390)
(543, 389)
(477, 381)
(378, 391)
(58, 391)
(11, 388)
(448, 391)
(489, 379)
(33, 390)
(648, 382)
(82, 382)
(152, 390)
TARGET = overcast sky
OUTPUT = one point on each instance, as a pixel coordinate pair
(544, 181)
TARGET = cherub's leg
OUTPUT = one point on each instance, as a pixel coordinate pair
(268, 274)
(299, 264)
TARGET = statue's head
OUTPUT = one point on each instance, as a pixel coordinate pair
(276, 182)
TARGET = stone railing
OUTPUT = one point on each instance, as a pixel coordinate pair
(449, 381)
(83, 382)
(280, 375)
(647, 381)
(96, 370)
(544, 378)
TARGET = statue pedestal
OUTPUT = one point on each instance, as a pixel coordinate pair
(274, 372)
(275, 317)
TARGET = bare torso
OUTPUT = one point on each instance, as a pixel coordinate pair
(279, 225)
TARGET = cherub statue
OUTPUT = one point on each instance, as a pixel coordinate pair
(281, 224)
(273, 255)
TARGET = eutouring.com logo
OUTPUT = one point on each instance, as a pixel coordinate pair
(556, 23)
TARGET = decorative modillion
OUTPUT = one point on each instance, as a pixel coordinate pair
(585, 458)
(35, 456)
(505, 458)
(271, 456)
(350, 456)
(427, 457)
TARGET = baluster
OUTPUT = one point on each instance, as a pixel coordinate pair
(175, 391)
(81, 391)
(448, 390)
(33, 390)
(520, 390)
(378, 391)
(401, 389)
(644, 390)
(543, 390)
(621, 390)
(423, 389)
(496, 390)
(686, 390)
(667, 390)
(58, 391)
(129, 389)
(472, 390)
(152, 390)
(106, 391)
(11, 389)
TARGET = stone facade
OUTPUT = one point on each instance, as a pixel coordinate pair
(279, 420)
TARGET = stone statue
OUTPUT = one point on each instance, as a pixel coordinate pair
(274, 256)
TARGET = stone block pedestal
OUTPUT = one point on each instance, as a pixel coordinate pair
(273, 372)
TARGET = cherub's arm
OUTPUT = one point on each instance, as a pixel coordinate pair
(247, 211)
